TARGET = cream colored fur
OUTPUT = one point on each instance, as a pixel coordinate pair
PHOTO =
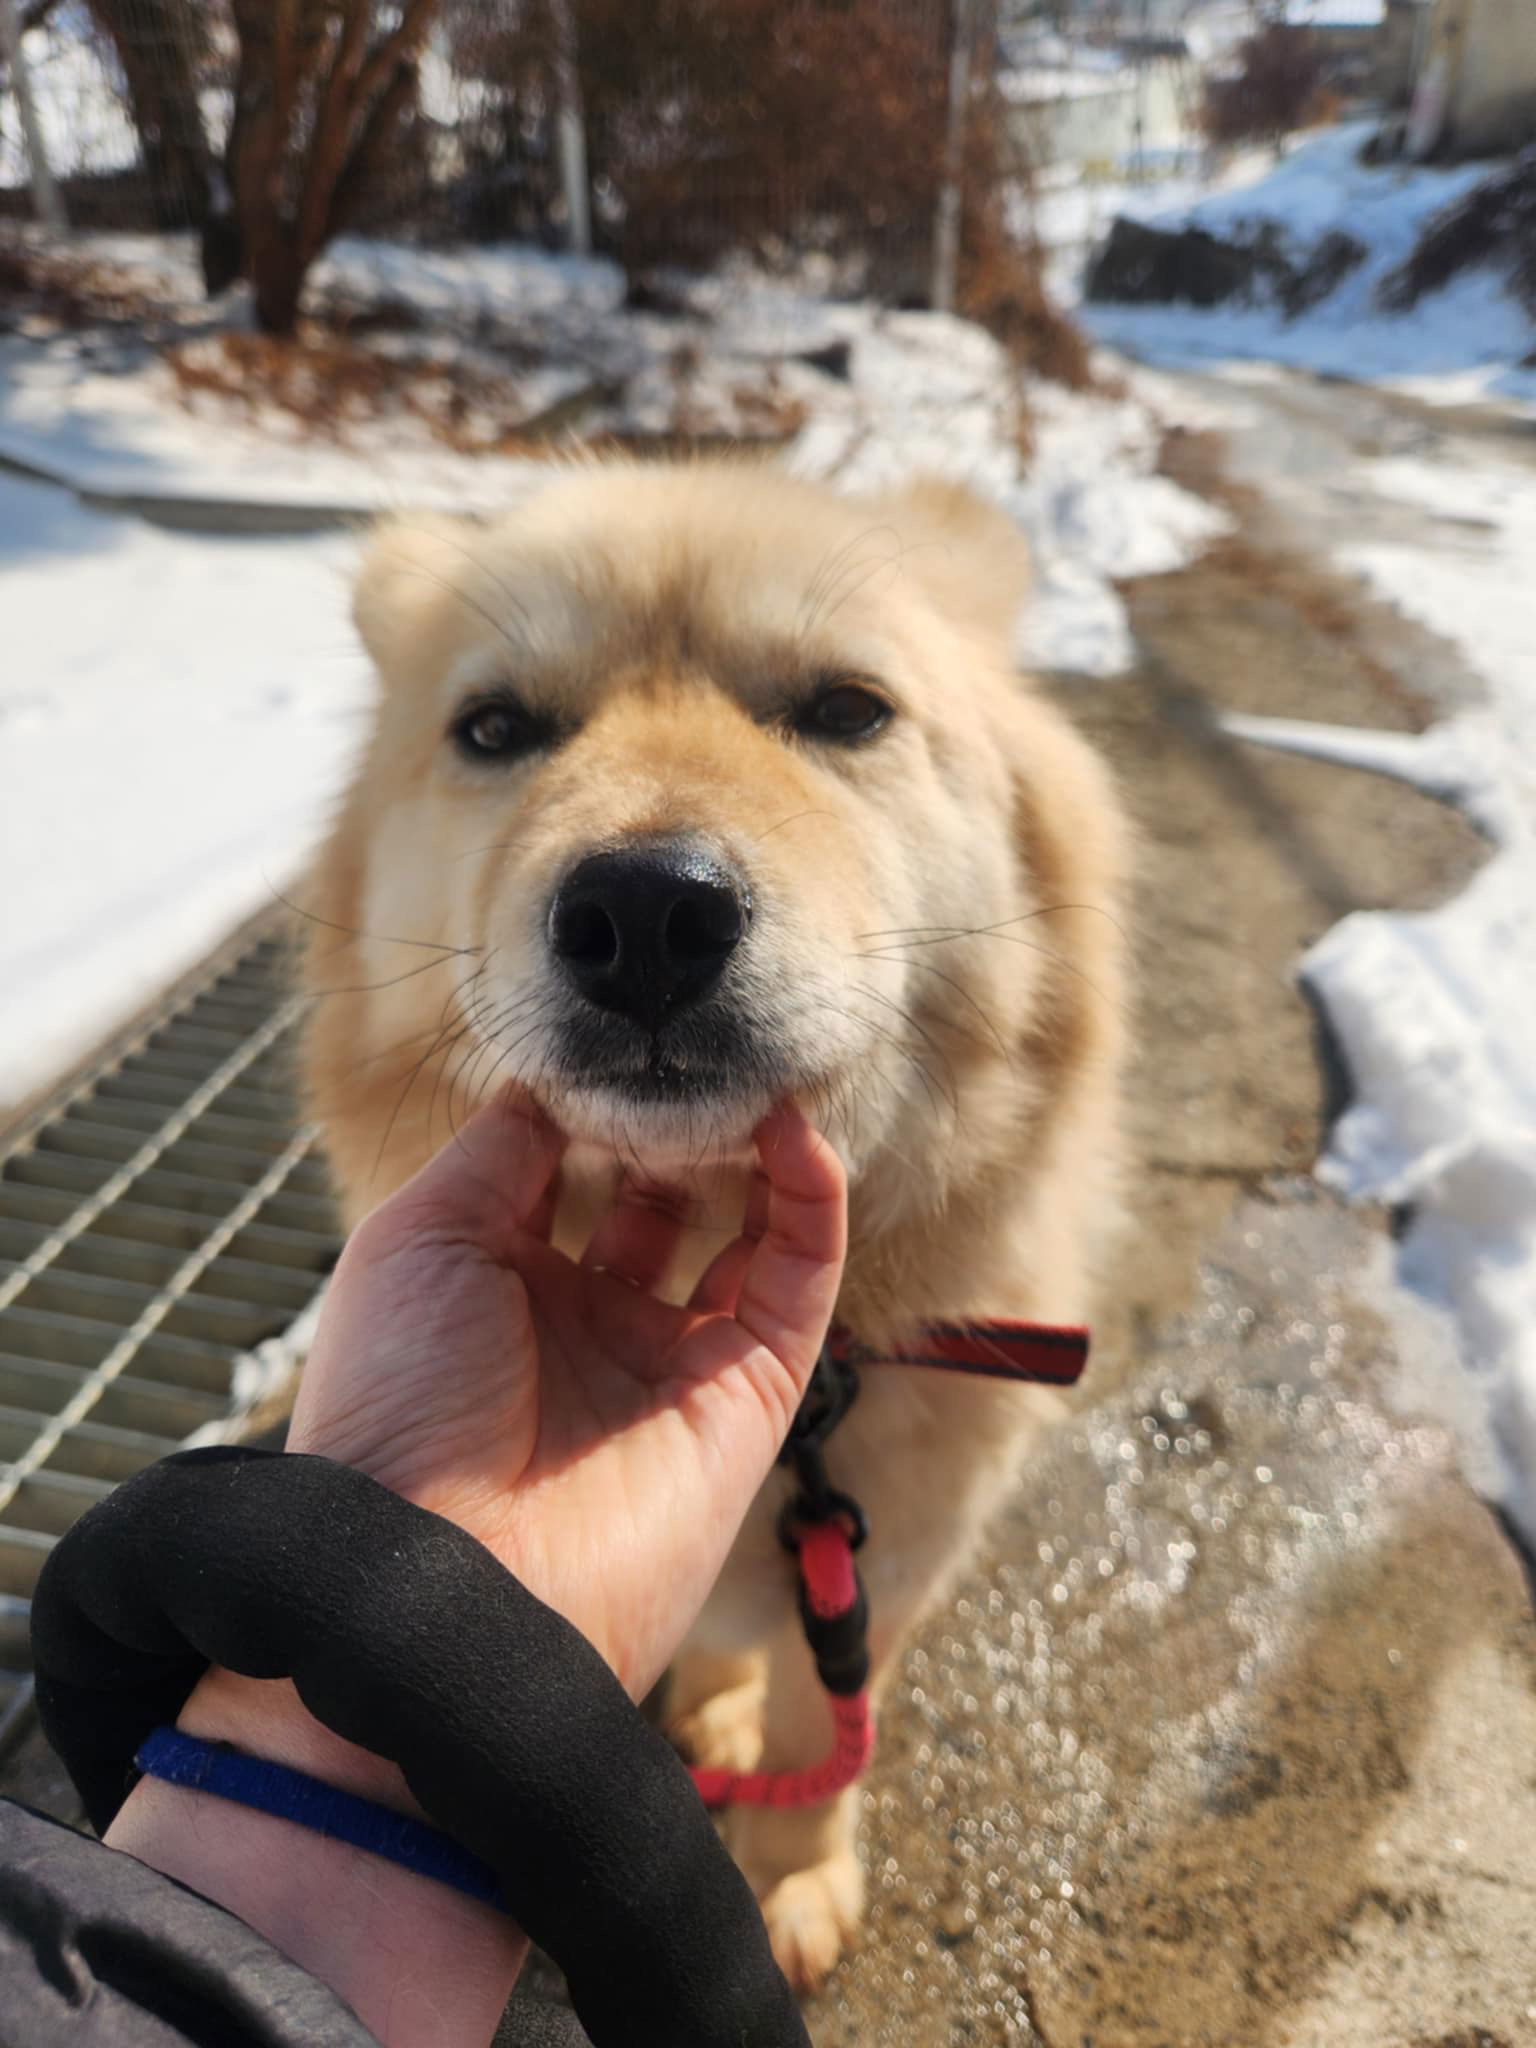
(936, 948)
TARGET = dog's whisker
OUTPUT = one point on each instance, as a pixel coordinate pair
(889, 1038)
(863, 989)
(478, 561)
(1011, 939)
(366, 988)
(921, 934)
(378, 938)
(841, 564)
(447, 1034)
(460, 596)
(446, 1026)
(794, 819)
(927, 967)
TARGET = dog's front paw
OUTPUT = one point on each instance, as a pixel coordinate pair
(726, 1732)
(813, 1916)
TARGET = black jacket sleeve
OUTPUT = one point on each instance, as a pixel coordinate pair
(407, 1637)
(99, 1951)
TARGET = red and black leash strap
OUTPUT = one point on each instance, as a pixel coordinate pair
(823, 1527)
(1047, 1354)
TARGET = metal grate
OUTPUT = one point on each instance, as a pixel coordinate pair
(164, 1226)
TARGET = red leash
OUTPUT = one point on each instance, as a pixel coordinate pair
(823, 1528)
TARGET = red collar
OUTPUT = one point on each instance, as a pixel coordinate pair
(1052, 1353)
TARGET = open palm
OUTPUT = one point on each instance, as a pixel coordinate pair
(604, 1444)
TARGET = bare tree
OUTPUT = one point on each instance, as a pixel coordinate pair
(320, 91)
(1273, 85)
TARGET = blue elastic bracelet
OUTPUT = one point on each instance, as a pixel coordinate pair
(310, 1803)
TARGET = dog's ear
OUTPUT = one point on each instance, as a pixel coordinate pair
(967, 555)
(410, 576)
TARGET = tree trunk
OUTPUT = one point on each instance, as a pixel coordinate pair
(277, 284)
(156, 43)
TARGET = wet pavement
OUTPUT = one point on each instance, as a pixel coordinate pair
(1232, 1736)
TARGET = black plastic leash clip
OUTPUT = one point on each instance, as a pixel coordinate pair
(839, 1642)
(830, 1393)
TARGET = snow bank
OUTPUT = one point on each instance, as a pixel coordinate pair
(101, 412)
(175, 714)
(1464, 342)
(1434, 1012)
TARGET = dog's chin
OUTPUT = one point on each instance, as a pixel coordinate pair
(669, 1133)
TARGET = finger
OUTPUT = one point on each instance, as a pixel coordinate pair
(790, 1285)
(541, 1218)
(720, 1282)
(638, 1238)
(488, 1184)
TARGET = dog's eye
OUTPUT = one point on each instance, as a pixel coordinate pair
(844, 711)
(499, 729)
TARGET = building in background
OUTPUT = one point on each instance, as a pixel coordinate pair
(1349, 37)
(1401, 48)
(1111, 100)
(1474, 88)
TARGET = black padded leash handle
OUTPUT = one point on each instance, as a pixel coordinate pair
(405, 1636)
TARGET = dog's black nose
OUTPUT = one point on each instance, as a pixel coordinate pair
(647, 928)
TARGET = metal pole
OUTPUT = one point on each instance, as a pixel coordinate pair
(946, 225)
(571, 131)
(46, 201)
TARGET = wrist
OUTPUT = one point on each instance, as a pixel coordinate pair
(266, 1717)
(418, 1961)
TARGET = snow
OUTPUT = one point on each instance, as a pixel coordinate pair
(1037, 85)
(1467, 341)
(175, 713)
(1096, 511)
(467, 283)
(76, 414)
(107, 418)
(1336, 13)
(1433, 1011)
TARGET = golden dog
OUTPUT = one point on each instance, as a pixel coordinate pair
(691, 787)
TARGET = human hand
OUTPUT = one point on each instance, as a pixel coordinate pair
(603, 1444)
